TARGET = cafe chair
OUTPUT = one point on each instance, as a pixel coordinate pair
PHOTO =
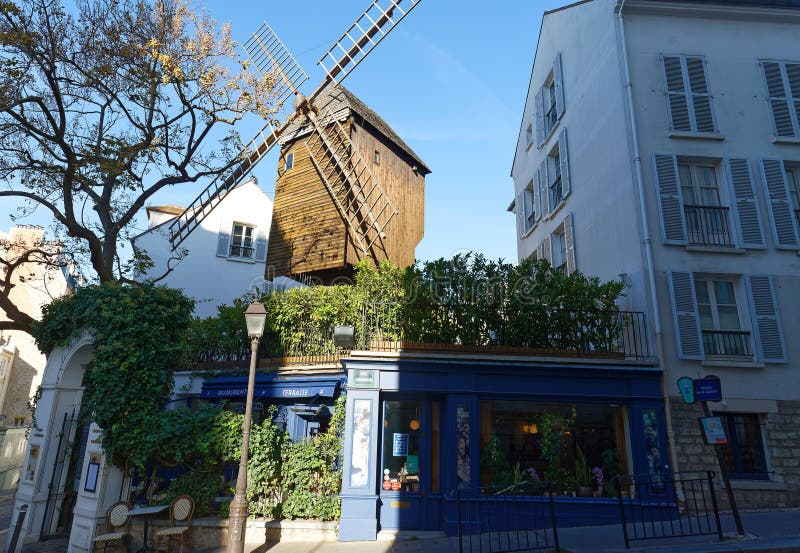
(180, 512)
(117, 522)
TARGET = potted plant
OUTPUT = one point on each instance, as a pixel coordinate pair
(582, 473)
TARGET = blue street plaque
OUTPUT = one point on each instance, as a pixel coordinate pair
(707, 389)
(686, 387)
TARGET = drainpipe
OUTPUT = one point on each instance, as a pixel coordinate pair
(648, 246)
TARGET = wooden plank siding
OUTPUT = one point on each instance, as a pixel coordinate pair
(309, 236)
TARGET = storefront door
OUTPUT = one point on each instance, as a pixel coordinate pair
(410, 461)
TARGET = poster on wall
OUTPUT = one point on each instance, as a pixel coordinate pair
(713, 430)
(652, 444)
(92, 472)
(33, 462)
(462, 446)
(359, 463)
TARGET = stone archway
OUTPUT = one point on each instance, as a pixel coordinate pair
(42, 478)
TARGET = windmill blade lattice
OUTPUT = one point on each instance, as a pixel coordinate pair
(209, 198)
(368, 30)
(359, 197)
(270, 56)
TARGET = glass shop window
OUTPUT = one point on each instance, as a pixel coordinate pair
(401, 437)
(579, 447)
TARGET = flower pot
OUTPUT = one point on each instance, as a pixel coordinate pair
(585, 491)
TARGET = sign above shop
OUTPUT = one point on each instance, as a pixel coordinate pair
(686, 387)
(708, 389)
(363, 378)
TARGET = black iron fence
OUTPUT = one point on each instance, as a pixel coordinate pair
(499, 519)
(672, 505)
(708, 225)
(511, 328)
(727, 343)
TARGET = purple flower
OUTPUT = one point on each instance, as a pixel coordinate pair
(532, 473)
(597, 472)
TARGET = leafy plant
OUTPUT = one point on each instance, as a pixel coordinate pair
(582, 472)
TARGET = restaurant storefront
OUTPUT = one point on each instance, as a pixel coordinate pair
(420, 427)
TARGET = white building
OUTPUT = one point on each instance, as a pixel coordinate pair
(224, 256)
(660, 143)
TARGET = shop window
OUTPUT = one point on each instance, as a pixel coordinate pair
(401, 433)
(744, 453)
(568, 444)
(435, 414)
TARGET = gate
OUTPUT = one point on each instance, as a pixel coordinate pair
(500, 519)
(662, 506)
(52, 524)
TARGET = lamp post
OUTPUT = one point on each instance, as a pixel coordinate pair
(255, 316)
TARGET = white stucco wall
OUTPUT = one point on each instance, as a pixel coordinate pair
(201, 274)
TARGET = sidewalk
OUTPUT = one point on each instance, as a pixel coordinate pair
(774, 532)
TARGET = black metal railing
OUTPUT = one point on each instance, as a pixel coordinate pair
(671, 505)
(499, 519)
(708, 225)
(241, 251)
(727, 343)
(512, 328)
(305, 346)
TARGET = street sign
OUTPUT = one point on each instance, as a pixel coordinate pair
(713, 430)
(686, 387)
(708, 389)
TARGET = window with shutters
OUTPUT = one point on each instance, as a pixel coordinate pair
(559, 245)
(551, 111)
(689, 103)
(783, 94)
(780, 180)
(530, 207)
(549, 102)
(555, 187)
(720, 323)
(707, 220)
(242, 241)
(529, 136)
(793, 181)
(744, 455)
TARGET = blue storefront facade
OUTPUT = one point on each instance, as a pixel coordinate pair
(420, 426)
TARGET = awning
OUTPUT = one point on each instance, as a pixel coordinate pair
(271, 386)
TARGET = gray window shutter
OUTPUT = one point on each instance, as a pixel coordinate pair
(519, 209)
(685, 315)
(743, 192)
(669, 199)
(563, 155)
(701, 99)
(569, 236)
(548, 249)
(677, 100)
(766, 321)
(793, 78)
(539, 118)
(540, 251)
(784, 227)
(544, 181)
(261, 243)
(782, 123)
(224, 238)
(559, 82)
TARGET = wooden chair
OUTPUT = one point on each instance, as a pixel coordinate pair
(180, 511)
(117, 522)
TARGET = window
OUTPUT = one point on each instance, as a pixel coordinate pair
(783, 89)
(529, 136)
(289, 161)
(242, 240)
(688, 100)
(793, 180)
(549, 102)
(529, 206)
(377, 158)
(707, 221)
(554, 172)
(744, 455)
(551, 111)
(559, 245)
(401, 439)
(719, 319)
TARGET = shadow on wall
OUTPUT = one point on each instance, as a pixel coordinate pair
(18, 394)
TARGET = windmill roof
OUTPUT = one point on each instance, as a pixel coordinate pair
(339, 101)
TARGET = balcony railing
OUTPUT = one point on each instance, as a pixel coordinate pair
(708, 225)
(727, 343)
(509, 329)
(241, 251)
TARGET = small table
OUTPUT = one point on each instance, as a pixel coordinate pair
(146, 513)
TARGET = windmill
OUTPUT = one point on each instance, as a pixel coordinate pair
(362, 204)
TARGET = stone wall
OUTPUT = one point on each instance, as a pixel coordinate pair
(782, 449)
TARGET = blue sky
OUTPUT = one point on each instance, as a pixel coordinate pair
(451, 79)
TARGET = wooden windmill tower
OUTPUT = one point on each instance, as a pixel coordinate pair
(353, 190)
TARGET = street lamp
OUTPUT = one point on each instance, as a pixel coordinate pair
(255, 317)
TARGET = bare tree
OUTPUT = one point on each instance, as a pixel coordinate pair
(106, 103)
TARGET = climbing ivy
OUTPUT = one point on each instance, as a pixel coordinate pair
(138, 335)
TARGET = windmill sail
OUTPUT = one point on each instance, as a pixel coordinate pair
(359, 197)
(368, 30)
(210, 197)
(270, 56)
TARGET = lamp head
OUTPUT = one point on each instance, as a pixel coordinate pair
(255, 317)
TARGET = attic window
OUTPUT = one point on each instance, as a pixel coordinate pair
(289, 161)
(377, 158)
